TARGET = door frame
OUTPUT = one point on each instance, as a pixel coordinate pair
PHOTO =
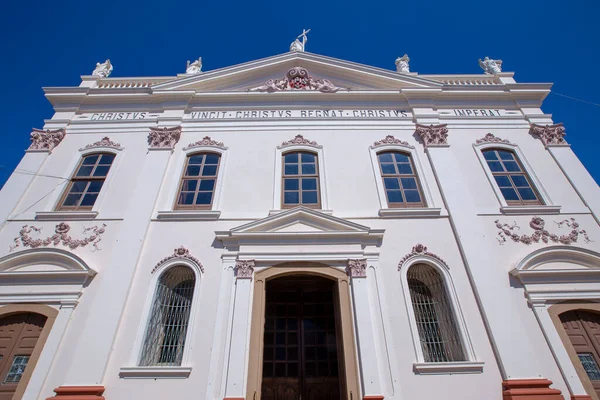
(348, 357)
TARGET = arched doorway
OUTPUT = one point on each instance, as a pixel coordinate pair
(583, 330)
(19, 334)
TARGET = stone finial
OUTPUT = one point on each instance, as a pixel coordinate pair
(194, 67)
(206, 142)
(433, 135)
(357, 268)
(491, 67)
(103, 70)
(550, 135)
(244, 269)
(402, 64)
(164, 138)
(104, 142)
(45, 140)
(490, 138)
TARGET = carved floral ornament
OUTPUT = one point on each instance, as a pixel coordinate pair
(540, 233)
(164, 138)
(390, 140)
(45, 140)
(420, 250)
(179, 253)
(104, 142)
(206, 142)
(357, 268)
(244, 269)
(60, 237)
(550, 135)
(300, 140)
(433, 135)
(490, 138)
(297, 78)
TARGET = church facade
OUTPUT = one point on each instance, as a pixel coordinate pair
(300, 227)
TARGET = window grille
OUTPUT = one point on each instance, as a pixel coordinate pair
(435, 320)
(85, 184)
(511, 177)
(402, 187)
(16, 369)
(198, 182)
(169, 317)
(301, 180)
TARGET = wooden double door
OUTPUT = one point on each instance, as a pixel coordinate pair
(583, 329)
(301, 342)
(19, 334)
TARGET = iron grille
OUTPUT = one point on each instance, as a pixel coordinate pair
(433, 314)
(590, 365)
(168, 322)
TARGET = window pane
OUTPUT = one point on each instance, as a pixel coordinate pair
(309, 169)
(290, 184)
(89, 200)
(308, 157)
(291, 169)
(207, 184)
(196, 159)
(78, 186)
(107, 159)
(509, 194)
(385, 157)
(391, 183)
(186, 198)
(412, 196)
(409, 183)
(72, 200)
(309, 184)
(490, 155)
(189, 185)
(505, 155)
(90, 160)
(95, 186)
(211, 159)
(511, 166)
(589, 365)
(519, 180)
(291, 198)
(101, 170)
(502, 181)
(395, 196)
(209, 170)
(405, 169)
(495, 166)
(193, 170)
(84, 170)
(291, 158)
(16, 369)
(309, 197)
(401, 157)
(527, 194)
(204, 197)
(388, 168)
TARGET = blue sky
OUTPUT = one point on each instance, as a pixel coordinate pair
(44, 43)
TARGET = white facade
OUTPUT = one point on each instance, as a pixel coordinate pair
(500, 289)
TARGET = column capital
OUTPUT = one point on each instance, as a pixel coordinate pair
(45, 140)
(164, 138)
(357, 268)
(433, 135)
(244, 269)
(550, 135)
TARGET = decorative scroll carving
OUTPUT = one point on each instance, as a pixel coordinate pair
(164, 138)
(540, 233)
(104, 142)
(420, 250)
(357, 268)
(46, 140)
(244, 269)
(433, 135)
(60, 237)
(180, 253)
(297, 78)
(550, 135)
(299, 140)
(206, 141)
(389, 139)
(490, 138)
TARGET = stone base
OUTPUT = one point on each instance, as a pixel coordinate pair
(373, 397)
(529, 389)
(78, 393)
(581, 397)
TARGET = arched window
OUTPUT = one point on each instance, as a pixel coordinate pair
(197, 189)
(300, 180)
(85, 184)
(511, 177)
(402, 188)
(434, 316)
(169, 318)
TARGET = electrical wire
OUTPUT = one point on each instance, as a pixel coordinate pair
(575, 98)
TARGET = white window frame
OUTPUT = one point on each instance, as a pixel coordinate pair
(50, 211)
(157, 372)
(384, 208)
(471, 365)
(167, 209)
(277, 184)
(547, 208)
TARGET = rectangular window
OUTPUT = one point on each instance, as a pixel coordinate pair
(197, 188)
(400, 181)
(84, 187)
(300, 180)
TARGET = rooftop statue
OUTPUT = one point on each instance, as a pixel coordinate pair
(194, 68)
(402, 64)
(103, 70)
(298, 45)
(491, 67)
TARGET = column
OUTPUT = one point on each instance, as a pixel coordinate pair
(508, 338)
(237, 362)
(42, 143)
(93, 347)
(369, 366)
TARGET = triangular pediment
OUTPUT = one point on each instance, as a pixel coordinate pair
(251, 75)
